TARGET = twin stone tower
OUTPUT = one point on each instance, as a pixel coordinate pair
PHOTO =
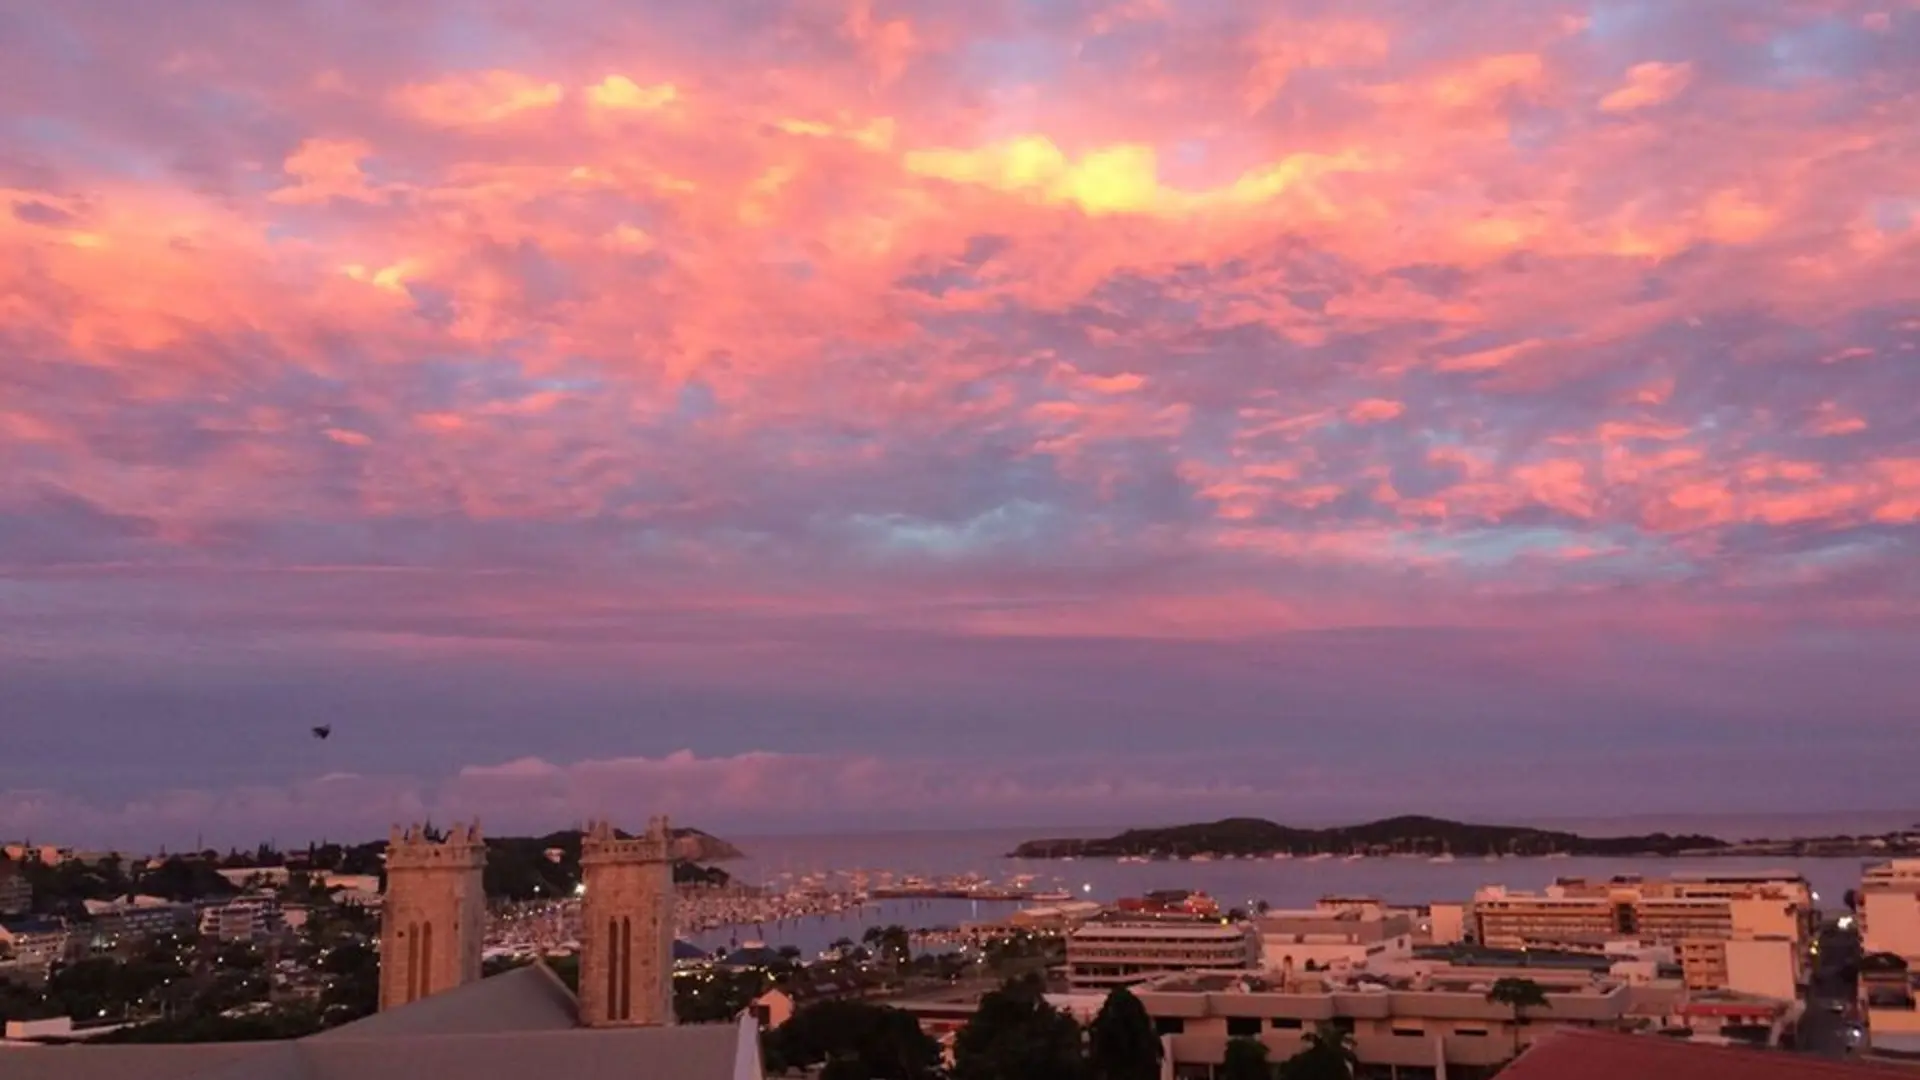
(433, 920)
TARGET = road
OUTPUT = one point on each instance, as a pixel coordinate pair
(1822, 1030)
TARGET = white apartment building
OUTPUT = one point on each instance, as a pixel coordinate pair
(244, 918)
(1701, 916)
(1413, 1027)
(1890, 938)
(1890, 908)
(1334, 935)
(1123, 951)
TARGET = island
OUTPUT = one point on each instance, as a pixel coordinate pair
(1409, 835)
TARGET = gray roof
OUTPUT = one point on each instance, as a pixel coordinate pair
(695, 1052)
(530, 998)
(519, 1024)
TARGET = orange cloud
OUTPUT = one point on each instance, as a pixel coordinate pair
(326, 169)
(485, 97)
(621, 94)
(1375, 410)
(1648, 84)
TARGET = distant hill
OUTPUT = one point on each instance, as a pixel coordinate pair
(530, 867)
(1408, 835)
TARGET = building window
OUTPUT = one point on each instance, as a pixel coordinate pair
(1407, 1032)
(1287, 1023)
(1168, 1025)
(1343, 1023)
(1243, 1026)
(1476, 1032)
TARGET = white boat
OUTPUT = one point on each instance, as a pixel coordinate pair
(1319, 856)
(1441, 858)
(1354, 858)
(1051, 897)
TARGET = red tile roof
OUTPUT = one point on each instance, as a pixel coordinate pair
(1572, 1054)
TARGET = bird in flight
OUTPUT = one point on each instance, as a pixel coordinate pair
(322, 731)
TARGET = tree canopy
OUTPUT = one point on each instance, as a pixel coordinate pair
(1016, 1035)
(1246, 1060)
(855, 1039)
(1121, 1043)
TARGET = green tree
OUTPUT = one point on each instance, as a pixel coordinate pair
(1121, 1044)
(1327, 1054)
(1519, 995)
(1016, 1035)
(855, 1039)
(1246, 1060)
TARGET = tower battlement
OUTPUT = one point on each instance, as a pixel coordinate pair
(413, 849)
(433, 917)
(599, 844)
(626, 926)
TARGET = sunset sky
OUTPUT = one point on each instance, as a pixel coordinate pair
(812, 413)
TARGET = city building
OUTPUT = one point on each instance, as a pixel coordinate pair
(432, 920)
(1890, 939)
(26, 851)
(1447, 923)
(253, 917)
(1890, 908)
(1122, 950)
(1335, 934)
(1404, 1028)
(117, 922)
(253, 877)
(626, 918)
(16, 892)
(34, 943)
(1701, 916)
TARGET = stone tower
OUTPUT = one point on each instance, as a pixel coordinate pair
(626, 956)
(433, 917)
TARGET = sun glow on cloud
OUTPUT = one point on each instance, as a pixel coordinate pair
(875, 327)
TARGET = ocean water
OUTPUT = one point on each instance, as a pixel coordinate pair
(778, 860)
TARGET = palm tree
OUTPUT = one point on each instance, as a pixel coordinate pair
(1325, 1054)
(1519, 994)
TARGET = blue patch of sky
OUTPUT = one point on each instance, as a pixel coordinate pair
(1622, 550)
(66, 142)
(1897, 215)
(1618, 18)
(464, 42)
(695, 402)
(1816, 49)
(995, 62)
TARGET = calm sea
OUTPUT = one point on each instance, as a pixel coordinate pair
(778, 860)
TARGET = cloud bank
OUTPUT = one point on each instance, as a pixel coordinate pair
(1474, 376)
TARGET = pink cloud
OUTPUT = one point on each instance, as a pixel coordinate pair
(1140, 321)
(1646, 85)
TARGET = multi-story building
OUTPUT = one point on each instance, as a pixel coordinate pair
(34, 943)
(1701, 916)
(244, 918)
(1890, 938)
(1890, 908)
(118, 922)
(16, 893)
(1334, 935)
(1402, 1028)
(1121, 950)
